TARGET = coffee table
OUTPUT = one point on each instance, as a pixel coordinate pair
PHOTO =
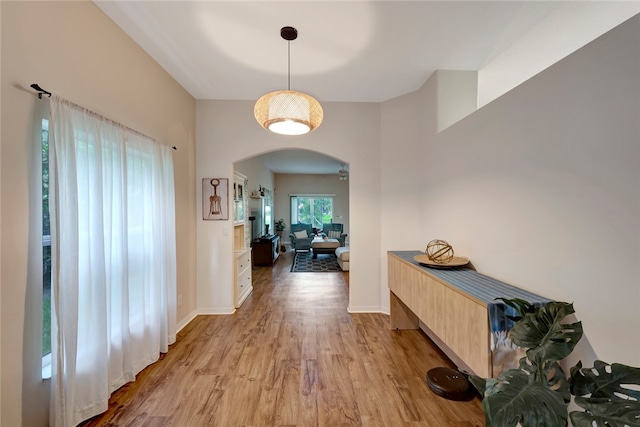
(324, 246)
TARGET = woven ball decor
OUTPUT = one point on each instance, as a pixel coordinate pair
(439, 251)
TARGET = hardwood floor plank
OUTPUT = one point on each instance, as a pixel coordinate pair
(291, 356)
(155, 422)
(308, 398)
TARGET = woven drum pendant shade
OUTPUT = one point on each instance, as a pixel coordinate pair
(288, 112)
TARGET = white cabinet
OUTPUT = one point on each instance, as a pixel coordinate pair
(242, 253)
(241, 230)
(243, 286)
(239, 198)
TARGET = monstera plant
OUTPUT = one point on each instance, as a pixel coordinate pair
(538, 392)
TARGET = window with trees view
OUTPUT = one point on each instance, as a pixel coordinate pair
(46, 247)
(314, 210)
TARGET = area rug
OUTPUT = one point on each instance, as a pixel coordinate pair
(303, 262)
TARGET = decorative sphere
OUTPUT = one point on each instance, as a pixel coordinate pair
(439, 251)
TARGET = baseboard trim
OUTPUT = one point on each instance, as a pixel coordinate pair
(203, 311)
(184, 322)
(217, 310)
(365, 309)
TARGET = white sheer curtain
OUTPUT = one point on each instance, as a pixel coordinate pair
(113, 258)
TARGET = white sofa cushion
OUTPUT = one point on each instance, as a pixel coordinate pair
(325, 243)
(302, 234)
(343, 253)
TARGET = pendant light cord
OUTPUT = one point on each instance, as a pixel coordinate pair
(289, 64)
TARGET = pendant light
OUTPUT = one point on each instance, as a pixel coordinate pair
(288, 112)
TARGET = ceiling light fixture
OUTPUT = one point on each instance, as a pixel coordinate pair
(288, 112)
(343, 174)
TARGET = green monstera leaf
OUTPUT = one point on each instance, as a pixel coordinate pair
(538, 393)
(604, 380)
(522, 307)
(544, 336)
(611, 401)
(550, 374)
(606, 412)
(516, 397)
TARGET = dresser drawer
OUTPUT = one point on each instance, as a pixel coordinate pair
(242, 285)
(244, 281)
(243, 261)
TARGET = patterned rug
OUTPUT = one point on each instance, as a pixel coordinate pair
(304, 263)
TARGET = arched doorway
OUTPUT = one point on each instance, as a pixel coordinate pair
(298, 171)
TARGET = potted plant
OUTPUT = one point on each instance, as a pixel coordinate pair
(538, 392)
(279, 226)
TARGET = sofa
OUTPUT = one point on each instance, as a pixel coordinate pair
(334, 231)
(301, 241)
(342, 253)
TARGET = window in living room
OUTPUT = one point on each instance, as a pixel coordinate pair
(312, 209)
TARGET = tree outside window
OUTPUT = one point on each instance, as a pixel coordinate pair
(46, 244)
(311, 210)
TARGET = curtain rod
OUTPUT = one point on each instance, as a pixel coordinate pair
(41, 92)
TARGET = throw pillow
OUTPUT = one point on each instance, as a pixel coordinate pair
(334, 234)
(302, 234)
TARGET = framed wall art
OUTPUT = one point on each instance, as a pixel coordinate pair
(215, 199)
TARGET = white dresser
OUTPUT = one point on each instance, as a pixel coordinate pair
(243, 286)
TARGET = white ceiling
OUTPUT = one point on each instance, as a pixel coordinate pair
(354, 51)
(302, 162)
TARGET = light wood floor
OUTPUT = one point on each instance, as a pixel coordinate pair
(291, 356)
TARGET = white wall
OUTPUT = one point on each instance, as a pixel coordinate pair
(228, 132)
(407, 123)
(75, 51)
(457, 95)
(256, 172)
(540, 188)
(536, 48)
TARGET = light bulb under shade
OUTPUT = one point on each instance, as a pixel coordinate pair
(288, 112)
(288, 127)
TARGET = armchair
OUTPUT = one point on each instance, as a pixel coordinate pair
(334, 231)
(301, 243)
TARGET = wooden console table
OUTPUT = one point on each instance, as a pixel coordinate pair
(452, 306)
